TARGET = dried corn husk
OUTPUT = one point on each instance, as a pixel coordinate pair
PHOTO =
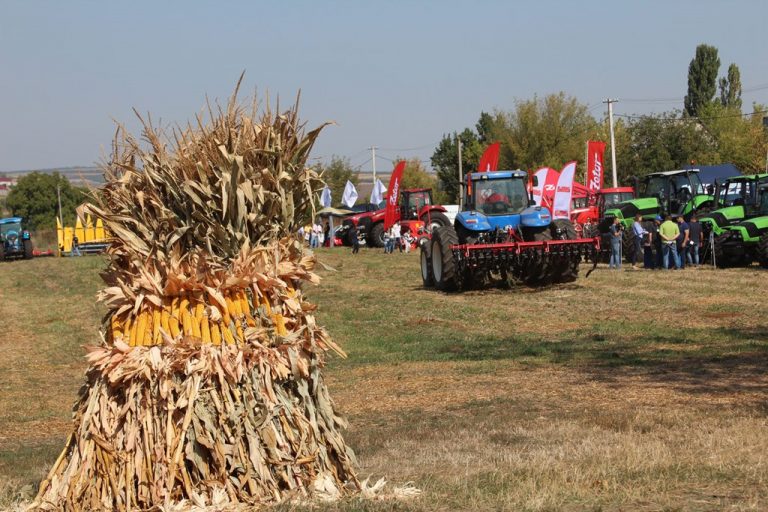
(207, 386)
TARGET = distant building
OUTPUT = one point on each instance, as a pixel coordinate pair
(6, 184)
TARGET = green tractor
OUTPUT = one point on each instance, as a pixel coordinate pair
(660, 193)
(737, 199)
(744, 242)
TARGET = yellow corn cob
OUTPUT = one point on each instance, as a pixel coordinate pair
(205, 330)
(165, 321)
(233, 307)
(127, 329)
(215, 334)
(244, 305)
(199, 310)
(183, 305)
(141, 327)
(196, 327)
(280, 324)
(174, 329)
(240, 334)
(226, 316)
(148, 331)
(265, 302)
(175, 307)
(227, 334)
(186, 320)
(156, 316)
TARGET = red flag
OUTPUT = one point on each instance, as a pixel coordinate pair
(549, 187)
(595, 173)
(490, 159)
(393, 192)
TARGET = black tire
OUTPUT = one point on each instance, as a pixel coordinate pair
(2, 251)
(566, 271)
(434, 220)
(628, 244)
(762, 250)
(538, 273)
(427, 277)
(375, 237)
(723, 260)
(28, 250)
(444, 269)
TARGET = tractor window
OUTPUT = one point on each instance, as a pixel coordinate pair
(413, 202)
(764, 201)
(499, 196)
(12, 226)
(579, 202)
(653, 186)
(614, 198)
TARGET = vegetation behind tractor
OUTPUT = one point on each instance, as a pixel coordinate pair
(500, 236)
(15, 242)
(744, 242)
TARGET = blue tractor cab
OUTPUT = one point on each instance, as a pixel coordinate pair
(15, 242)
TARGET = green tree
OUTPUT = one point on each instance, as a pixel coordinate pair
(415, 175)
(702, 79)
(445, 161)
(547, 131)
(740, 140)
(34, 198)
(730, 88)
(335, 174)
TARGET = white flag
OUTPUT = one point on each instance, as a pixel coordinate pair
(564, 192)
(377, 194)
(325, 197)
(350, 195)
(541, 176)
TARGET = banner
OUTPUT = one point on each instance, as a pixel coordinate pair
(490, 159)
(561, 207)
(377, 194)
(595, 167)
(393, 193)
(544, 193)
(350, 195)
(325, 197)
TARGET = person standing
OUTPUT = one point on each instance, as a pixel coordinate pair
(657, 242)
(397, 237)
(640, 236)
(696, 238)
(76, 246)
(669, 232)
(648, 240)
(682, 241)
(616, 236)
(314, 238)
(353, 238)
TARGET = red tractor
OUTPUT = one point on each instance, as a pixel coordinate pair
(416, 214)
(588, 207)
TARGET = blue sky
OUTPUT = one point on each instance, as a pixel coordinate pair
(396, 74)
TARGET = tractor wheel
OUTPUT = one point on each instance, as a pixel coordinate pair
(723, 260)
(2, 251)
(376, 235)
(762, 250)
(566, 271)
(28, 249)
(538, 273)
(628, 244)
(427, 277)
(434, 220)
(443, 266)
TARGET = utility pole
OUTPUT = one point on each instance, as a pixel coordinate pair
(58, 195)
(610, 103)
(373, 163)
(461, 175)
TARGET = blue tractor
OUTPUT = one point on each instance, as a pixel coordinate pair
(501, 236)
(14, 241)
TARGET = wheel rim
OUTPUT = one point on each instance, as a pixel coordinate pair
(424, 266)
(432, 225)
(437, 263)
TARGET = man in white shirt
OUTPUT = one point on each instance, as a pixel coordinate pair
(396, 235)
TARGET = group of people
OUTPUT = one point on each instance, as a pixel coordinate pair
(394, 237)
(667, 243)
(315, 234)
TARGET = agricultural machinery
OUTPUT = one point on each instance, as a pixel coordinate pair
(416, 213)
(737, 199)
(659, 193)
(15, 242)
(499, 236)
(590, 207)
(746, 241)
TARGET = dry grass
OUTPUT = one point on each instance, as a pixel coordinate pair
(624, 391)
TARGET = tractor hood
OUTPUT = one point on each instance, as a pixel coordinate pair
(723, 217)
(628, 209)
(533, 216)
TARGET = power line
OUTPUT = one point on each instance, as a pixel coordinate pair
(412, 149)
(692, 118)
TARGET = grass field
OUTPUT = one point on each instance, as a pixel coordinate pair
(625, 391)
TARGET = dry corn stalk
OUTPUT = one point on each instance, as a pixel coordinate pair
(208, 379)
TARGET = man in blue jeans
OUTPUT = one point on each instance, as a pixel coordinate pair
(669, 231)
(616, 237)
(682, 241)
(695, 237)
(640, 235)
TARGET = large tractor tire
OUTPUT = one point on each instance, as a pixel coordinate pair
(537, 274)
(723, 260)
(434, 220)
(566, 271)
(376, 235)
(443, 266)
(2, 251)
(28, 250)
(762, 250)
(427, 277)
(628, 244)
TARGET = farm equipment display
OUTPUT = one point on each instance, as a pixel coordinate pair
(590, 207)
(737, 199)
(660, 193)
(15, 242)
(416, 212)
(744, 242)
(498, 236)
